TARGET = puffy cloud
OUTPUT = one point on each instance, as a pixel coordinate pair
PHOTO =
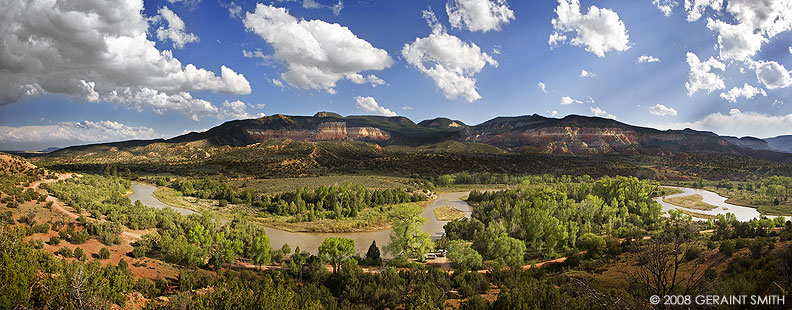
(174, 30)
(238, 110)
(568, 100)
(160, 102)
(69, 133)
(368, 104)
(277, 82)
(665, 6)
(93, 51)
(479, 15)
(747, 91)
(736, 41)
(695, 8)
(586, 74)
(317, 54)
(661, 110)
(701, 76)
(449, 61)
(757, 21)
(601, 113)
(234, 10)
(738, 123)
(600, 30)
(542, 86)
(772, 74)
(554, 113)
(369, 79)
(406, 107)
(647, 59)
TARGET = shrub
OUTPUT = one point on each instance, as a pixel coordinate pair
(147, 288)
(36, 243)
(64, 251)
(54, 240)
(727, 247)
(138, 252)
(756, 247)
(104, 253)
(41, 228)
(592, 243)
(693, 253)
(79, 254)
(475, 302)
(740, 243)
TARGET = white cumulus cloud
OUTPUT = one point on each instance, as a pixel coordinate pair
(317, 54)
(772, 74)
(587, 74)
(174, 30)
(647, 59)
(696, 8)
(661, 110)
(368, 104)
(449, 61)
(756, 23)
(568, 100)
(601, 113)
(747, 92)
(599, 30)
(69, 133)
(99, 51)
(701, 76)
(479, 15)
(665, 6)
(235, 110)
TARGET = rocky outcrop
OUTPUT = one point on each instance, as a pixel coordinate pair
(326, 131)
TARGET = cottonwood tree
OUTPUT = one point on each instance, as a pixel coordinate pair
(260, 249)
(407, 239)
(336, 250)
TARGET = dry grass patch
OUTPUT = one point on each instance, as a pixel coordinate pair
(691, 202)
(446, 213)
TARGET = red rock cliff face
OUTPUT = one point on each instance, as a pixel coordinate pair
(570, 140)
(368, 133)
(327, 131)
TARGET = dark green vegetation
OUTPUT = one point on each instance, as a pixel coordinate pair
(333, 202)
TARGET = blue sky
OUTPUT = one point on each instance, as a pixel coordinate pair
(488, 66)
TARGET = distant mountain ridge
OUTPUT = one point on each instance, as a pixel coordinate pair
(571, 135)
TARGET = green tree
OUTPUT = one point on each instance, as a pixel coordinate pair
(104, 253)
(373, 257)
(336, 250)
(463, 257)
(79, 254)
(508, 251)
(592, 243)
(261, 250)
(406, 238)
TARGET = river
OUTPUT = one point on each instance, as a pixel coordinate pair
(743, 214)
(310, 241)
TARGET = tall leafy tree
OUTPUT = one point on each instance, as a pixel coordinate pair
(336, 250)
(260, 249)
(407, 239)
